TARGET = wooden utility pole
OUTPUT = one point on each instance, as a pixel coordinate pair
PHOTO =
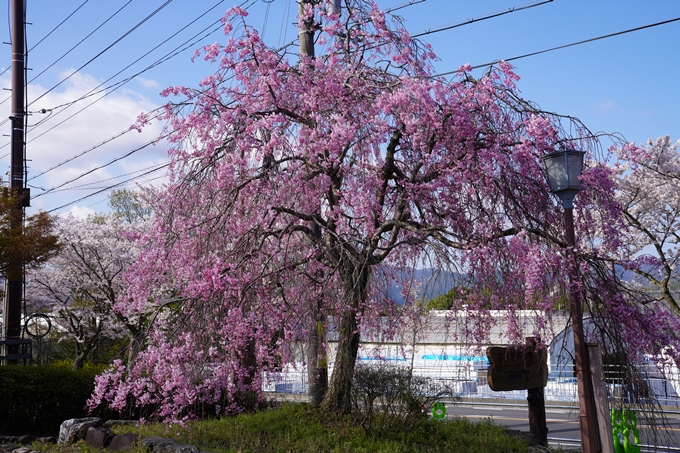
(14, 277)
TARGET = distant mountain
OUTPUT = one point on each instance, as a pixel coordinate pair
(426, 283)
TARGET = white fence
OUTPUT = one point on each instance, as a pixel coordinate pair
(469, 381)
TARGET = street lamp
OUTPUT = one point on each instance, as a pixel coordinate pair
(564, 169)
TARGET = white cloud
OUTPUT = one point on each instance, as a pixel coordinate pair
(81, 212)
(148, 83)
(85, 140)
(604, 105)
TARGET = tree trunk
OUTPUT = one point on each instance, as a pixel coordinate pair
(338, 397)
(81, 357)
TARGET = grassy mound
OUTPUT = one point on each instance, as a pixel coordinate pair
(300, 428)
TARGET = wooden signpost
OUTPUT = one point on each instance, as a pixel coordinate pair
(522, 368)
(517, 368)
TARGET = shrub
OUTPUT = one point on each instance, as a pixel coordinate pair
(37, 399)
(387, 396)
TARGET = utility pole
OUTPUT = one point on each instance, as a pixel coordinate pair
(317, 368)
(14, 276)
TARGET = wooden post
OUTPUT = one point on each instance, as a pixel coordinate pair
(538, 425)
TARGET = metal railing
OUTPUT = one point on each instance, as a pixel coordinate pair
(469, 381)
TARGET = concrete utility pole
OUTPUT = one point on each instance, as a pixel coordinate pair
(317, 368)
(305, 30)
(316, 388)
(14, 277)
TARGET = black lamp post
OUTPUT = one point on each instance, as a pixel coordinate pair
(564, 169)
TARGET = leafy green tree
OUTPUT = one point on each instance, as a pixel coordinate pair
(127, 205)
(446, 301)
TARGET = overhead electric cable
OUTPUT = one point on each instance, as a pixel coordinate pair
(111, 88)
(99, 167)
(87, 186)
(127, 33)
(59, 25)
(172, 53)
(176, 51)
(404, 5)
(479, 19)
(566, 45)
(104, 190)
(82, 153)
(107, 91)
(72, 48)
(80, 42)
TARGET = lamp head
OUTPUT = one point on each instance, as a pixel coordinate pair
(564, 169)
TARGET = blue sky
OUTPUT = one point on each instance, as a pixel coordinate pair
(626, 84)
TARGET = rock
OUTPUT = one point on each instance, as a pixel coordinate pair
(24, 450)
(47, 440)
(25, 440)
(75, 429)
(123, 442)
(111, 423)
(157, 444)
(8, 448)
(98, 437)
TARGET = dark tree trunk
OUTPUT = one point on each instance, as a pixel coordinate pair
(338, 397)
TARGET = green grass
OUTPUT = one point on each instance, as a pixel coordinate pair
(300, 428)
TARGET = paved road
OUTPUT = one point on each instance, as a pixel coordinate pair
(562, 422)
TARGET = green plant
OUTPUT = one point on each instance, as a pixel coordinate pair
(385, 396)
(301, 428)
(37, 399)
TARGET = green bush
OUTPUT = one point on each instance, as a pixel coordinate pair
(385, 396)
(37, 399)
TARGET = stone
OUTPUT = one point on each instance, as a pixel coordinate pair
(98, 437)
(47, 440)
(8, 448)
(75, 429)
(157, 444)
(23, 450)
(26, 440)
(123, 442)
(111, 423)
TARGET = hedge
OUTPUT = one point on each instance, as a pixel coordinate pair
(37, 399)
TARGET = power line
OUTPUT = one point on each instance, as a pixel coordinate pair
(566, 45)
(117, 135)
(172, 53)
(59, 25)
(403, 5)
(105, 189)
(479, 19)
(82, 153)
(127, 33)
(187, 44)
(99, 167)
(112, 88)
(71, 49)
(87, 186)
(79, 42)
